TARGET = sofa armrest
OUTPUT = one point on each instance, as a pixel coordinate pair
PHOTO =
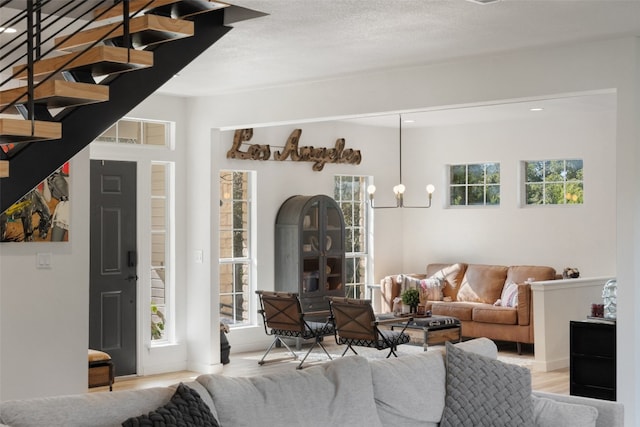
(610, 414)
(525, 309)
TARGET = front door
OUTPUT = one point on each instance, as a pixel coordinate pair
(113, 279)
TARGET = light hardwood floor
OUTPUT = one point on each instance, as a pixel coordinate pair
(246, 364)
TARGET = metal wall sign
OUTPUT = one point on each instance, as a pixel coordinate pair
(319, 156)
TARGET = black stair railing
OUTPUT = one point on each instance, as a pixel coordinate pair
(81, 125)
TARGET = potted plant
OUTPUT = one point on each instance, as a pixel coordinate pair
(411, 297)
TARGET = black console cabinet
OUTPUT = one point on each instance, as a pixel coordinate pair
(593, 359)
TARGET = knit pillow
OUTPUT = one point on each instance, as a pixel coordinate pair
(185, 409)
(483, 392)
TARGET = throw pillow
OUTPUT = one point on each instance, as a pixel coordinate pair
(431, 289)
(185, 409)
(551, 413)
(448, 274)
(509, 296)
(485, 392)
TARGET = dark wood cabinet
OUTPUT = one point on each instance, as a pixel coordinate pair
(593, 359)
(310, 250)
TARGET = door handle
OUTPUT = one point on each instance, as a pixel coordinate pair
(132, 277)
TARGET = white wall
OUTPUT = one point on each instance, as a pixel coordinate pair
(44, 312)
(581, 236)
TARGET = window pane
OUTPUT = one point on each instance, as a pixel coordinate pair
(554, 194)
(158, 179)
(574, 170)
(554, 170)
(458, 196)
(476, 175)
(493, 173)
(154, 133)
(240, 244)
(158, 214)
(240, 214)
(476, 195)
(493, 194)
(158, 249)
(129, 132)
(458, 174)
(575, 193)
(535, 171)
(534, 194)
(226, 243)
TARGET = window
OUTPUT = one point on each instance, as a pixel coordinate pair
(554, 182)
(475, 184)
(160, 249)
(133, 131)
(236, 191)
(349, 192)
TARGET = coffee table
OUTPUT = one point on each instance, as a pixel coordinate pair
(432, 330)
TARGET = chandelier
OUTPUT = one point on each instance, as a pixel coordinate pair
(399, 189)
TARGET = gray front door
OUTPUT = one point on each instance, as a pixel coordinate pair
(112, 296)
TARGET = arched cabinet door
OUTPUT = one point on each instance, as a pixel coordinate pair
(309, 250)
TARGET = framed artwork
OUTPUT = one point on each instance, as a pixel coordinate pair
(42, 215)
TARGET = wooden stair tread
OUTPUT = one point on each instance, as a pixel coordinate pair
(17, 130)
(180, 8)
(145, 30)
(57, 94)
(4, 168)
(99, 60)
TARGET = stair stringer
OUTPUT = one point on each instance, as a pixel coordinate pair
(83, 124)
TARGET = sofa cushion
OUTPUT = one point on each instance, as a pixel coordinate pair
(399, 386)
(484, 392)
(336, 393)
(460, 310)
(520, 273)
(487, 313)
(430, 289)
(551, 413)
(185, 408)
(482, 283)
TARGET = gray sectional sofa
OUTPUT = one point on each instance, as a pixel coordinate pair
(413, 390)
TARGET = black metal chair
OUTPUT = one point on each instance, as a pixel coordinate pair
(356, 325)
(283, 318)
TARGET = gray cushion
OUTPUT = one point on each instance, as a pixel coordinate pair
(335, 393)
(549, 413)
(102, 409)
(482, 392)
(400, 387)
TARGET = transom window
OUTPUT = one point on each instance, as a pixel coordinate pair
(349, 192)
(236, 246)
(554, 182)
(133, 131)
(476, 184)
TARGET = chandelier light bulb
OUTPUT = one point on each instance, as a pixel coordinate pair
(430, 188)
(400, 188)
(371, 189)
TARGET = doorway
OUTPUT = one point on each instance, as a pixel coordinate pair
(113, 259)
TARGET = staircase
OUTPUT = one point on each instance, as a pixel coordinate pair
(117, 53)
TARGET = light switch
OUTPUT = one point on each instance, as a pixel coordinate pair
(198, 256)
(43, 260)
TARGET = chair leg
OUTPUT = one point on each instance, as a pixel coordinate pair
(519, 347)
(277, 339)
(347, 349)
(317, 342)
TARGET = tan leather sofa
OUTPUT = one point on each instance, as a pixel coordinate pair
(470, 291)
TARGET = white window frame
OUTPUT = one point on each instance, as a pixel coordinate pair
(250, 259)
(544, 183)
(367, 230)
(485, 185)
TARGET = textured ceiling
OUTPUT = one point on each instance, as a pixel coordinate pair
(306, 40)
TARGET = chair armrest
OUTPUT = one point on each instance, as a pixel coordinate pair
(388, 321)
